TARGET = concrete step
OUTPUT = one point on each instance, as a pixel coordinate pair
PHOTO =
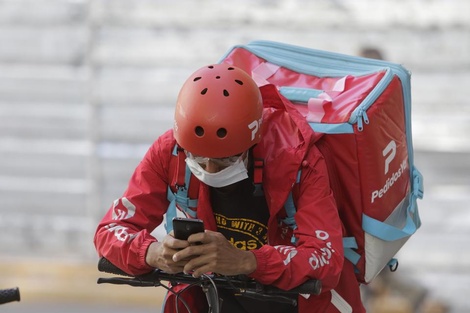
(65, 280)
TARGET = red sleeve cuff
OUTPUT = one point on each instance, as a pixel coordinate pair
(261, 265)
(143, 253)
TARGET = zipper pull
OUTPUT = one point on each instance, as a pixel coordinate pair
(362, 117)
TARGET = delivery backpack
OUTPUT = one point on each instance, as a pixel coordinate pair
(363, 109)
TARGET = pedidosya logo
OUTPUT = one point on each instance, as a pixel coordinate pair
(389, 154)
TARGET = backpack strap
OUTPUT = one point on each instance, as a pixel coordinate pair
(258, 177)
(290, 208)
(349, 243)
(182, 190)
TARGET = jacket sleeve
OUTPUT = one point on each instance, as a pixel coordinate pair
(124, 233)
(318, 252)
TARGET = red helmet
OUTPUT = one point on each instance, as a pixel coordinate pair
(218, 112)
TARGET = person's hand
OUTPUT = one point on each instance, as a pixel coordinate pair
(212, 252)
(160, 254)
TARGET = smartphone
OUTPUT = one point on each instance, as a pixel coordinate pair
(184, 227)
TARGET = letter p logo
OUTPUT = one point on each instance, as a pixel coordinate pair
(254, 127)
(389, 152)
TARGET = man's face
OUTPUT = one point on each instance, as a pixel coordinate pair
(214, 165)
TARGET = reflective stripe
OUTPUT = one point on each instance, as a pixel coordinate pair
(340, 303)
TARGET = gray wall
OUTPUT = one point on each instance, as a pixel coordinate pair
(86, 86)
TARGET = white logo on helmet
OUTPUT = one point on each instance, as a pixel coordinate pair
(254, 127)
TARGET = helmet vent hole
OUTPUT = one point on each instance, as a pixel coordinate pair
(196, 79)
(204, 91)
(239, 82)
(231, 68)
(217, 77)
(226, 93)
(199, 131)
(221, 132)
(211, 66)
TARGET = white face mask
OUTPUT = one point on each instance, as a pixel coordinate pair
(229, 175)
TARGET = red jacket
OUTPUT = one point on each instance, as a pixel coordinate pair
(287, 145)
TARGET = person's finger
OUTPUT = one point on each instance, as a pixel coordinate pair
(187, 253)
(199, 238)
(198, 266)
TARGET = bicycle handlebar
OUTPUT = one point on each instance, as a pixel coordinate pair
(9, 295)
(241, 282)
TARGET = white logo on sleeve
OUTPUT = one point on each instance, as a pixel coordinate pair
(120, 232)
(322, 257)
(322, 235)
(288, 251)
(126, 210)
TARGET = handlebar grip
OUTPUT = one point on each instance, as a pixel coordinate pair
(105, 266)
(9, 295)
(312, 286)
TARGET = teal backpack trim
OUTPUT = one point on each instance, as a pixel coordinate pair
(297, 94)
(350, 244)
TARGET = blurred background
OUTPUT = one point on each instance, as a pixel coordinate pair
(86, 86)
